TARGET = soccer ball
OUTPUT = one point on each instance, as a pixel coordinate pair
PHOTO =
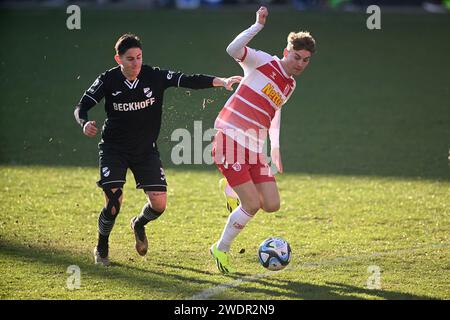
(274, 253)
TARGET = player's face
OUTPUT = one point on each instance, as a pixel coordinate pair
(131, 62)
(296, 61)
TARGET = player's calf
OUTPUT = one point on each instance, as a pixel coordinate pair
(106, 222)
(138, 226)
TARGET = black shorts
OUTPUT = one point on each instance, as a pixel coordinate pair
(147, 169)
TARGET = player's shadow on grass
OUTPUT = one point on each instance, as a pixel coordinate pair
(330, 291)
(284, 289)
(147, 282)
(187, 268)
(173, 282)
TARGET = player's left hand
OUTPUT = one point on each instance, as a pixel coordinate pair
(228, 82)
(276, 158)
(261, 15)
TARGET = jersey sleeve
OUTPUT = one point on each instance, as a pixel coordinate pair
(247, 57)
(179, 79)
(252, 59)
(92, 96)
(236, 48)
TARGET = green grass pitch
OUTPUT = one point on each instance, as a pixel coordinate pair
(365, 141)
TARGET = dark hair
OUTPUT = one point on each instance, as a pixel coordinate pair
(127, 41)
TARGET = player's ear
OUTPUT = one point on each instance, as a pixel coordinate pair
(285, 52)
(117, 58)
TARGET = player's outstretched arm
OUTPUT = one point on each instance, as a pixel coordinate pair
(201, 81)
(236, 48)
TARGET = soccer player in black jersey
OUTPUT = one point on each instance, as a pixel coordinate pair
(133, 95)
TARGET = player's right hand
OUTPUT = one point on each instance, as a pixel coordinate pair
(90, 129)
(261, 15)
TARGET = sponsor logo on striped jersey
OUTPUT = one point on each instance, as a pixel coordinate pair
(272, 94)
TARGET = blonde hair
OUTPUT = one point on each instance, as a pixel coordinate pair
(301, 40)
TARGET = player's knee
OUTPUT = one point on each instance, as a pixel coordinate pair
(158, 202)
(115, 210)
(114, 199)
(272, 206)
(159, 206)
(251, 207)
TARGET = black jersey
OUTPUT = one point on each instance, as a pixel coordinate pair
(134, 108)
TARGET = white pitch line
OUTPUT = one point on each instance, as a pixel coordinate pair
(207, 293)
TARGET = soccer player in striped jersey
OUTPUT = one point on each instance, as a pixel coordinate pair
(249, 115)
(133, 95)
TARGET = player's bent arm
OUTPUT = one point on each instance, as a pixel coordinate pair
(81, 112)
(81, 116)
(236, 48)
(90, 98)
(89, 128)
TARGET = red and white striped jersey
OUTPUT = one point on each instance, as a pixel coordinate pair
(265, 88)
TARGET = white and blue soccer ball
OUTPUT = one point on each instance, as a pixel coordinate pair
(274, 253)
